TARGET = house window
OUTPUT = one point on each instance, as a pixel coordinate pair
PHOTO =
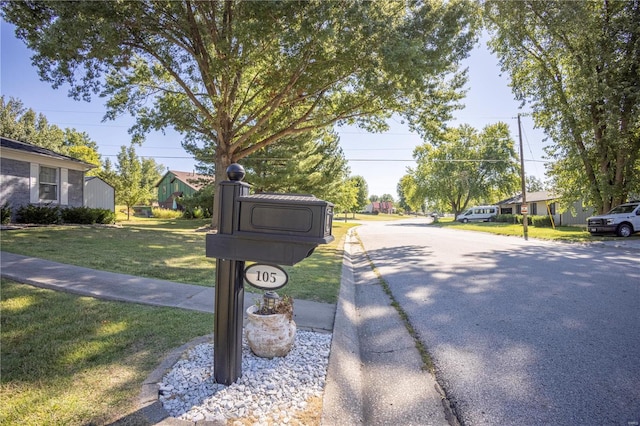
(552, 208)
(534, 208)
(48, 183)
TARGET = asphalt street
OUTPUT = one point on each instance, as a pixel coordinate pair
(521, 332)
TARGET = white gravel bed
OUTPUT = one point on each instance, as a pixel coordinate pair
(269, 390)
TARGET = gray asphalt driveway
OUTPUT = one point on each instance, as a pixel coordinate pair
(521, 332)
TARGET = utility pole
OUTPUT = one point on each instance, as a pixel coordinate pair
(525, 207)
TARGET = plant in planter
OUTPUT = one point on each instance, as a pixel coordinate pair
(270, 330)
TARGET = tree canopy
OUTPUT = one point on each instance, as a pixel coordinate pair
(577, 64)
(464, 166)
(363, 192)
(309, 163)
(237, 76)
(23, 124)
(135, 178)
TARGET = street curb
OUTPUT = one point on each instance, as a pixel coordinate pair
(343, 393)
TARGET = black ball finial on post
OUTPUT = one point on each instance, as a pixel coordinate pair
(235, 172)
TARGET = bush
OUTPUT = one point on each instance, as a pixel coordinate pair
(5, 213)
(50, 215)
(165, 213)
(199, 205)
(105, 216)
(507, 218)
(79, 215)
(41, 215)
(541, 221)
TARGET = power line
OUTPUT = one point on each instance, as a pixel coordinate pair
(381, 160)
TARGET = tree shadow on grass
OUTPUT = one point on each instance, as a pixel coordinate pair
(84, 356)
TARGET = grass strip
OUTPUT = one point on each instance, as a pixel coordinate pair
(560, 233)
(69, 360)
(427, 361)
(168, 249)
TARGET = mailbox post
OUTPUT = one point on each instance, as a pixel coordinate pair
(229, 291)
(280, 229)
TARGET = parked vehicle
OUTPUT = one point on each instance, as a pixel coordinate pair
(622, 220)
(479, 214)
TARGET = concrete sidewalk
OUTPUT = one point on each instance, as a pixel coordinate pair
(112, 286)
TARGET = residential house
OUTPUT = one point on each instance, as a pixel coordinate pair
(175, 184)
(98, 194)
(30, 174)
(543, 203)
(380, 207)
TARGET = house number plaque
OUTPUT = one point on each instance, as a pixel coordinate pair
(266, 277)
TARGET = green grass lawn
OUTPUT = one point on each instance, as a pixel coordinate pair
(560, 233)
(340, 217)
(168, 249)
(69, 360)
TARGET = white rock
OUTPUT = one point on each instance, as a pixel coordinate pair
(268, 387)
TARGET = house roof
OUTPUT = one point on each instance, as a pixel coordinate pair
(194, 180)
(7, 143)
(532, 197)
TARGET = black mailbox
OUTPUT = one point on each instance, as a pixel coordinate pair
(281, 229)
(302, 216)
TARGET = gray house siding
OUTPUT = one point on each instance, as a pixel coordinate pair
(30, 174)
(14, 183)
(577, 214)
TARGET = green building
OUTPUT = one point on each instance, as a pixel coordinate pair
(175, 184)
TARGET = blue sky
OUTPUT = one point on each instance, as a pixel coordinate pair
(382, 159)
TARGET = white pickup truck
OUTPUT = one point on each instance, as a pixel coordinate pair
(622, 220)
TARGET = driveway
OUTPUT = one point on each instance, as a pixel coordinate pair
(521, 332)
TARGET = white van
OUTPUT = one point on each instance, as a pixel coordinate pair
(479, 214)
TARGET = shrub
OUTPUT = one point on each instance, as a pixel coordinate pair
(79, 215)
(5, 213)
(202, 200)
(41, 215)
(49, 215)
(165, 213)
(105, 216)
(541, 221)
(507, 218)
(198, 213)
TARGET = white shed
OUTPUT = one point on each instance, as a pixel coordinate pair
(98, 194)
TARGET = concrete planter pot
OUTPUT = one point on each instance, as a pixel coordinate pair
(269, 335)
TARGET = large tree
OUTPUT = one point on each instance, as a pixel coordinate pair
(237, 76)
(464, 166)
(309, 163)
(578, 66)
